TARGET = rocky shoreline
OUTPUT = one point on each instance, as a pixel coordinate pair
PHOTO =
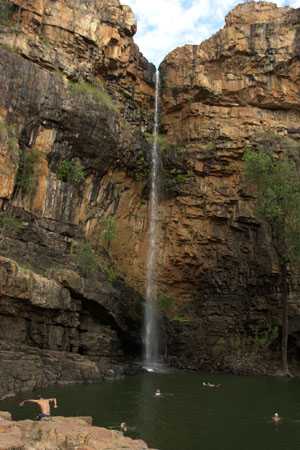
(62, 433)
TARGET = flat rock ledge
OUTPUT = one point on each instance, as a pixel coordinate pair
(62, 433)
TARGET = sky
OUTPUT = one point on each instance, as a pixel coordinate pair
(164, 25)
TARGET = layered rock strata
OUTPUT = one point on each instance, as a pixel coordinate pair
(76, 97)
(76, 112)
(238, 87)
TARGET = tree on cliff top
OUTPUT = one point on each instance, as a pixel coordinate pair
(275, 177)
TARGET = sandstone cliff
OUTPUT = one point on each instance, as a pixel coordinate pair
(76, 98)
(238, 87)
(76, 112)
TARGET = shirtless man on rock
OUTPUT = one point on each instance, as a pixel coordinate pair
(44, 405)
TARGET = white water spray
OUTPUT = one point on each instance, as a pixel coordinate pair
(151, 321)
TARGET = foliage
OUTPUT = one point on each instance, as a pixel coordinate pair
(140, 166)
(173, 164)
(265, 338)
(165, 302)
(277, 185)
(181, 319)
(26, 176)
(6, 12)
(71, 172)
(172, 309)
(161, 141)
(109, 231)
(10, 223)
(273, 171)
(95, 92)
(8, 135)
(111, 273)
(86, 259)
(175, 170)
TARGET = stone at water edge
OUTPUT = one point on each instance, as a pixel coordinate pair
(55, 432)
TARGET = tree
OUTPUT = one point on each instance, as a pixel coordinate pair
(273, 171)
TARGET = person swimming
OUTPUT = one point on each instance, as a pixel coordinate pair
(211, 385)
(276, 418)
(157, 393)
(123, 427)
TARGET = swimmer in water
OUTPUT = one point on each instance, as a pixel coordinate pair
(276, 418)
(211, 385)
(157, 393)
(123, 427)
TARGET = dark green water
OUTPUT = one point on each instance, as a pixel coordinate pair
(188, 416)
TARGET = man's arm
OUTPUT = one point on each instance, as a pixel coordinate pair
(28, 401)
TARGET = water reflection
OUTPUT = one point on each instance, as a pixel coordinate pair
(188, 416)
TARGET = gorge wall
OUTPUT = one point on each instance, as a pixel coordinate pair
(76, 116)
(76, 98)
(238, 88)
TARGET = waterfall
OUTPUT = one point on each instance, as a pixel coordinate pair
(151, 320)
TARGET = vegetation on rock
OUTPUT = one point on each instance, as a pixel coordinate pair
(6, 11)
(86, 259)
(26, 176)
(109, 231)
(94, 92)
(71, 172)
(111, 273)
(8, 135)
(172, 309)
(9, 224)
(275, 175)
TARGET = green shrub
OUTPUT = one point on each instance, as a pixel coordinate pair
(165, 302)
(111, 274)
(10, 223)
(94, 92)
(71, 172)
(8, 135)
(163, 144)
(7, 10)
(3, 130)
(265, 338)
(109, 231)
(26, 176)
(182, 319)
(86, 259)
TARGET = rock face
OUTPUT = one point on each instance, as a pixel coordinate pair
(239, 86)
(76, 97)
(62, 331)
(76, 113)
(62, 433)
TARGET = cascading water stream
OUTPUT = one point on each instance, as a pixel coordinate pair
(151, 320)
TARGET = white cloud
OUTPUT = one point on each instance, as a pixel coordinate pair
(164, 25)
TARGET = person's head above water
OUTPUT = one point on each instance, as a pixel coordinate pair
(276, 417)
(123, 426)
